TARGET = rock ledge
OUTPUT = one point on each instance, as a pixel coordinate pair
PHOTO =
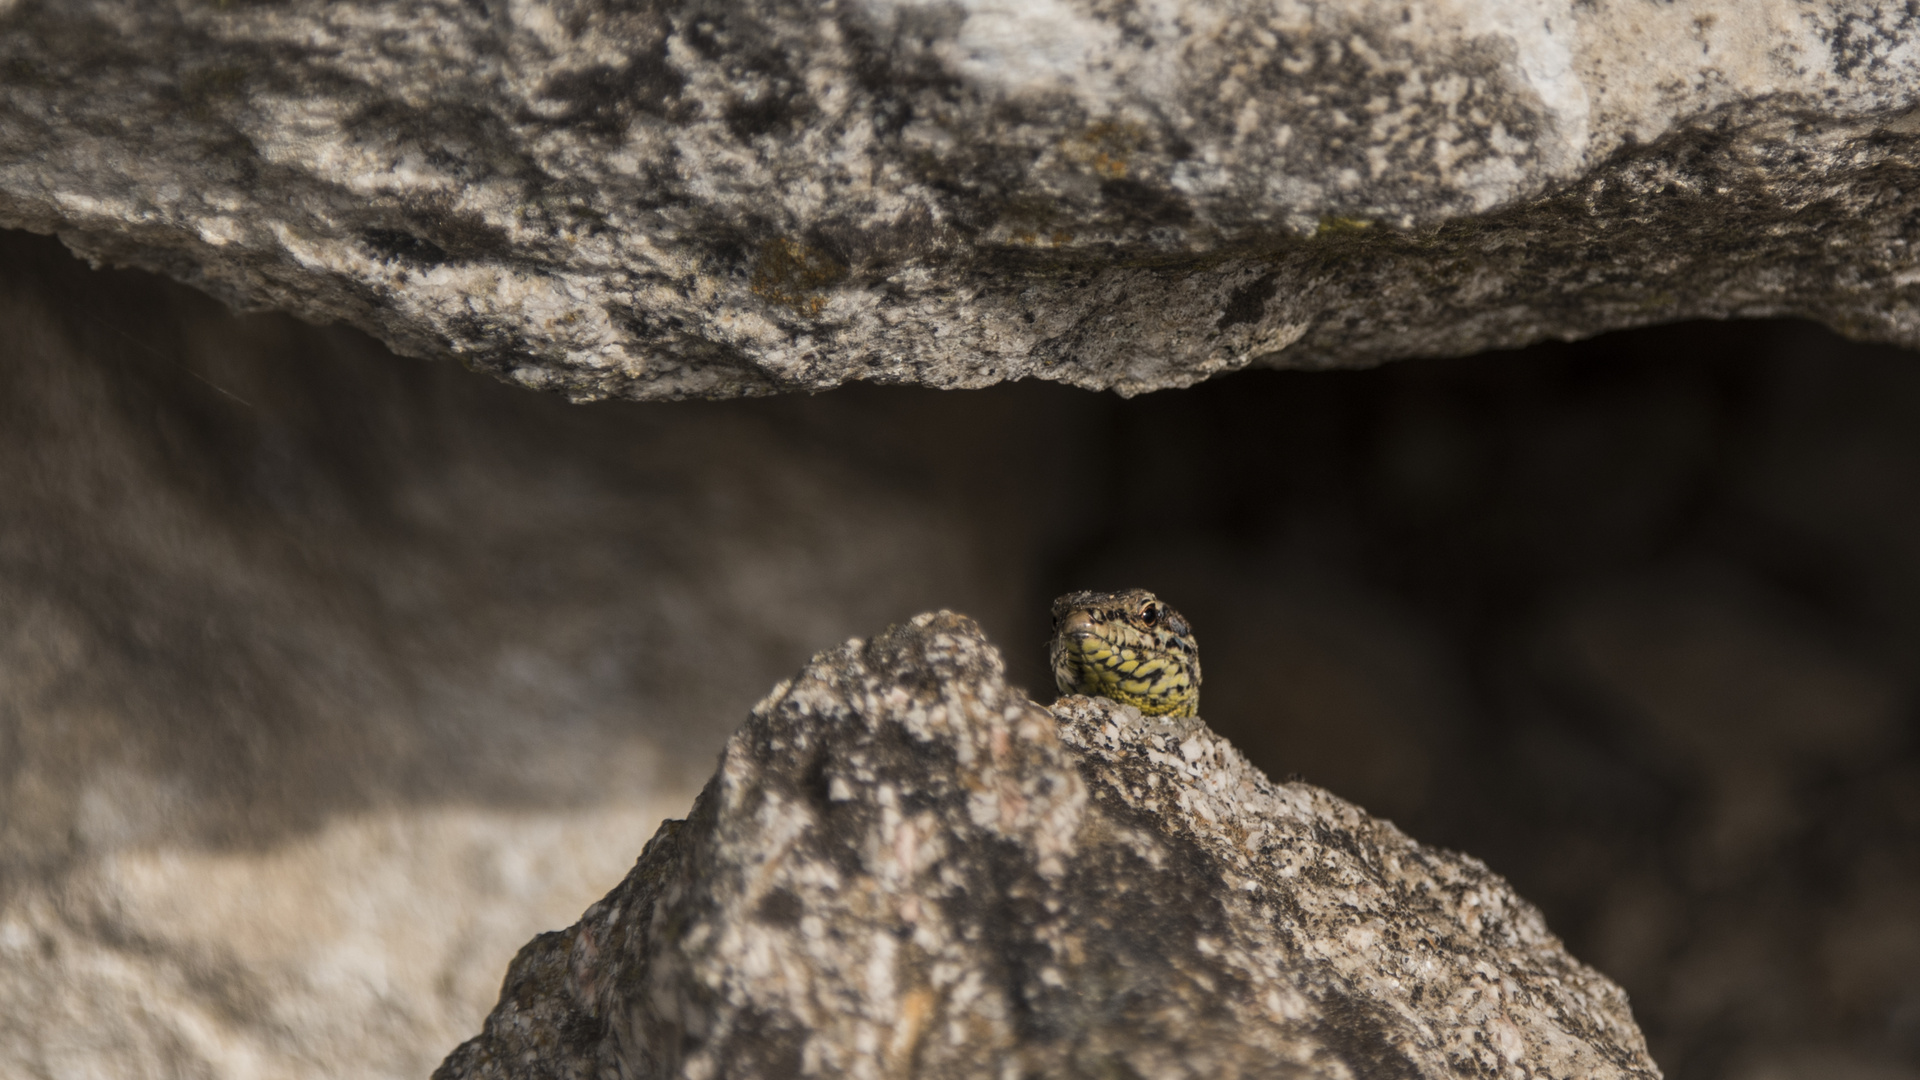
(690, 198)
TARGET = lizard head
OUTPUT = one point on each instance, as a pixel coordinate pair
(1127, 646)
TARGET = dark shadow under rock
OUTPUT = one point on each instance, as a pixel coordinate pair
(905, 867)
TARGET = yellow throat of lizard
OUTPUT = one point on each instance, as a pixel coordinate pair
(1129, 647)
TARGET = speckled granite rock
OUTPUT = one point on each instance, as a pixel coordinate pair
(726, 197)
(905, 867)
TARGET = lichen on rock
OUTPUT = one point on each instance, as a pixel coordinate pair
(903, 866)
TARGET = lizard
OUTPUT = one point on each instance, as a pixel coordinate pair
(1129, 647)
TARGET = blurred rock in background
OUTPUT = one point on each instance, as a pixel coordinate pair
(327, 678)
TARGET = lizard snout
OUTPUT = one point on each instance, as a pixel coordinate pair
(1078, 625)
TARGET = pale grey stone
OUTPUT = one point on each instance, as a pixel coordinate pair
(904, 867)
(725, 197)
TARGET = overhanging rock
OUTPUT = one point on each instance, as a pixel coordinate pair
(725, 197)
(905, 868)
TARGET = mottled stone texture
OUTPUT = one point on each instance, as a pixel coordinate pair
(905, 867)
(674, 198)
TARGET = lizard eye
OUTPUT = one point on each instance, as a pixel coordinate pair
(1150, 614)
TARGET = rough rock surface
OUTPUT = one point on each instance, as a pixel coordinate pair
(905, 867)
(725, 197)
